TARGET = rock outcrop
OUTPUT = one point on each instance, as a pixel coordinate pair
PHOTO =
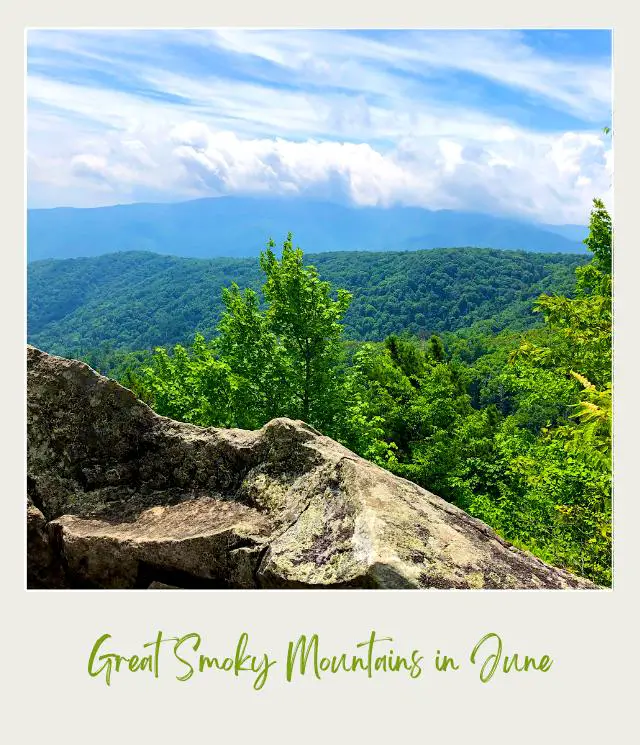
(119, 497)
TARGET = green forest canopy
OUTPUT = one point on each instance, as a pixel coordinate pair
(135, 301)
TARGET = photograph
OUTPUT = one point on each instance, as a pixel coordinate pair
(318, 308)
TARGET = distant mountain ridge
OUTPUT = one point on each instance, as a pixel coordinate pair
(237, 227)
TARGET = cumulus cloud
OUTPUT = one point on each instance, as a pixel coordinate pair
(231, 165)
(550, 178)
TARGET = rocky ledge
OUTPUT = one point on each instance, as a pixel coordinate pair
(119, 497)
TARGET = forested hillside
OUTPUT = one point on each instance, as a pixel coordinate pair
(138, 300)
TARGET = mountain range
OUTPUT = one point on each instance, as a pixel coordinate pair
(240, 227)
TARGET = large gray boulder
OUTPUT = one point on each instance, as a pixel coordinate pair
(119, 497)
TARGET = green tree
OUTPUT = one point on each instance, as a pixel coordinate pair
(305, 318)
(257, 365)
(599, 241)
(435, 348)
(582, 326)
(284, 360)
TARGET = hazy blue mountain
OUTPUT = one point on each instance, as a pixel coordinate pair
(240, 227)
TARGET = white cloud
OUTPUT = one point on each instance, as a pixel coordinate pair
(545, 177)
(451, 155)
(331, 115)
(356, 62)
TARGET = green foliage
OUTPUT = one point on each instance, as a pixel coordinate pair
(190, 385)
(515, 428)
(257, 364)
(436, 348)
(139, 300)
(306, 320)
(278, 361)
(510, 422)
(599, 240)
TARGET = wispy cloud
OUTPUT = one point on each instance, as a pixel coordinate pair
(495, 121)
(583, 88)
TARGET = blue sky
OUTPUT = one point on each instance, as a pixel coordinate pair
(506, 122)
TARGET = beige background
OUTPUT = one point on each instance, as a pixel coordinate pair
(590, 696)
